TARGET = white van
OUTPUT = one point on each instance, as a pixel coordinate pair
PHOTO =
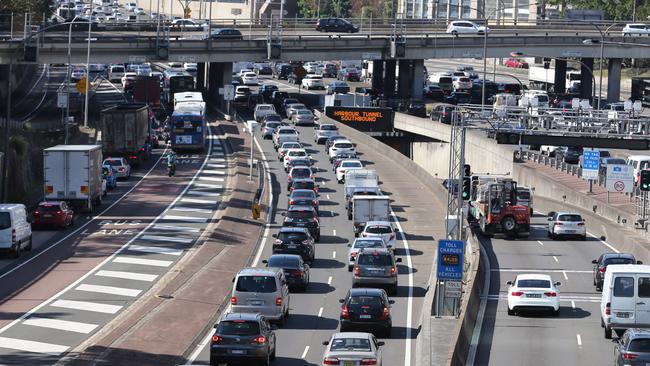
(625, 301)
(116, 72)
(638, 163)
(15, 229)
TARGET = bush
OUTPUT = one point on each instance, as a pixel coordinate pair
(19, 145)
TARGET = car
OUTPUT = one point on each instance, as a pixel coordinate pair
(278, 97)
(533, 292)
(296, 271)
(116, 72)
(295, 240)
(131, 6)
(605, 259)
(254, 100)
(293, 153)
(332, 139)
(569, 155)
(282, 150)
(53, 213)
(190, 67)
(340, 157)
(250, 78)
(376, 267)
(286, 102)
(442, 113)
(342, 145)
(338, 86)
(566, 224)
(293, 108)
(130, 75)
(267, 90)
(635, 29)
(457, 27)
(349, 74)
(298, 173)
(241, 93)
(263, 69)
(330, 70)
(352, 348)
(380, 229)
(366, 309)
(268, 129)
(188, 25)
(516, 63)
(324, 131)
(303, 117)
(77, 74)
(260, 290)
(313, 68)
(462, 83)
(417, 108)
(433, 92)
(345, 166)
(139, 11)
(282, 71)
(362, 243)
(226, 34)
(120, 166)
(243, 337)
(273, 117)
(299, 162)
(339, 25)
(303, 197)
(312, 81)
(305, 183)
(633, 348)
(110, 176)
(303, 216)
(459, 97)
(262, 110)
(285, 134)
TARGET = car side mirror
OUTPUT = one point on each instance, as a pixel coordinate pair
(341, 301)
(397, 230)
(233, 279)
(349, 245)
(380, 344)
(275, 235)
(549, 219)
(283, 214)
(216, 325)
(398, 260)
(265, 261)
(326, 343)
(595, 261)
(558, 283)
(639, 262)
(551, 214)
(391, 302)
(509, 283)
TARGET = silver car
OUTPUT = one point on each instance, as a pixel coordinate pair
(261, 290)
(352, 348)
(269, 129)
(376, 267)
(362, 243)
(303, 117)
(285, 134)
(293, 108)
(323, 131)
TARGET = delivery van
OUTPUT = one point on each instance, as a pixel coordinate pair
(15, 229)
(625, 301)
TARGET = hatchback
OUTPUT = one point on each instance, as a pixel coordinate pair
(633, 348)
(335, 25)
(341, 146)
(242, 337)
(120, 166)
(637, 29)
(345, 166)
(566, 224)
(605, 259)
(261, 290)
(293, 154)
(362, 243)
(304, 197)
(533, 292)
(303, 216)
(53, 213)
(366, 309)
(304, 184)
(330, 141)
(352, 348)
(376, 267)
(226, 34)
(457, 27)
(380, 229)
(299, 172)
(296, 271)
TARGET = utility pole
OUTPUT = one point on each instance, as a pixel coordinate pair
(5, 158)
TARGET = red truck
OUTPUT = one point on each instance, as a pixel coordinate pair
(147, 90)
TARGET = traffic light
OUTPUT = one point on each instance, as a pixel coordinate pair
(467, 170)
(467, 186)
(644, 181)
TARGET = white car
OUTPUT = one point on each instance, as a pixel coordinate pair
(131, 6)
(77, 74)
(120, 166)
(349, 164)
(139, 11)
(341, 146)
(244, 71)
(286, 146)
(313, 81)
(462, 83)
(566, 224)
(361, 243)
(292, 154)
(636, 29)
(262, 110)
(250, 78)
(465, 27)
(190, 66)
(380, 229)
(128, 75)
(188, 25)
(313, 68)
(535, 292)
(352, 348)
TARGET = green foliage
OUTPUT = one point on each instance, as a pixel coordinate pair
(36, 7)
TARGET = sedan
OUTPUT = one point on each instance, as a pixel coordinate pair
(53, 213)
(226, 34)
(304, 197)
(299, 172)
(77, 74)
(120, 166)
(304, 184)
(361, 243)
(269, 129)
(366, 309)
(303, 117)
(246, 337)
(516, 63)
(296, 271)
(338, 158)
(346, 165)
(293, 108)
(293, 154)
(380, 229)
(434, 92)
(299, 162)
(323, 131)
(566, 224)
(333, 138)
(250, 78)
(605, 259)
(338, 87)
(353, 348)
(533, 292)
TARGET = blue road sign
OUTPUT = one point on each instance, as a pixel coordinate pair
(450, 259)
(590, 164)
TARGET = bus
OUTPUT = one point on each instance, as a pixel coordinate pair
(177, 82)
(188, 129)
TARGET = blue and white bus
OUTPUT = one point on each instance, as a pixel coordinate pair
(189, 127)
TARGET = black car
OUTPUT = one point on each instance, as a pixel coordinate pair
(264, 70)
(568, 154)
(296, 271)
(459, 98)
(442, 113)
(605, 259)
(417, 108)
(338, 87)
(434, 92)
(304, 197)
(330, 71)
(349, 74)
(243, 337)
(335, 25)
(295, 240)
(267, 90)
(282, 71)
(366, 309)
(302, 216)
(304, 183)
(227, 34)
(237, 80)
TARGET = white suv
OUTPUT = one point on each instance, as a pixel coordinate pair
(466, 27)
(313, 82)
(341, 146)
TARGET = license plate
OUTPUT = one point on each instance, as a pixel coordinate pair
(623, 315)
(364, 316)
(292, 246)
(300, 224)
(237, 351)
(47, 216)
(535, 296)
(569, 231)
(349, 363)
(256, 302)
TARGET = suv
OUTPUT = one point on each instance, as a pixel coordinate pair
(304, 183)
(295, 269)
(302, 216)
(282, 71)
(633, 345)
(380, 229)
(376, 267)
(361, 243)
(120, 166)
(313, 82)
(304, 197)
(295, 240)
(605, 259)
(366, 308)
(335, 25)
(263, 291)
(242, 337)
(569, 155)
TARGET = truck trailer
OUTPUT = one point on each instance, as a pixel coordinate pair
(125, 131)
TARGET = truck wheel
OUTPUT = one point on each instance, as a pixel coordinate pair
(509, 224)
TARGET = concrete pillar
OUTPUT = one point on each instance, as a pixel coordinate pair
(586, 81)
(417, 83)
(560, 76)
(220, 74)
(614, 80)
(389, 79)
(404, 79)
(378, 74)
(200, 76)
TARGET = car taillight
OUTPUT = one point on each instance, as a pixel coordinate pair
(233, 300)
(315, 202)
(278, 301)
(133, 157)
(120, 169)
(216, 339)
(608, 308)
(13, 236)
(559, 224)
(393, 271)
(581, 224)
(330, 361)
(550, 294)
(368, 361)
(36, 213)
(353, 254)
(385, 313)
(629, 356)
(277, 241)
(602, 269)
(296, 273)
(305, 242)
(357, 271)
(59, 212)
(516, 293)
(345, 314)
(292, 202)
(260, 339)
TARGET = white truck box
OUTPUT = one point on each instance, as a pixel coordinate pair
(369, 208)
(624, 303)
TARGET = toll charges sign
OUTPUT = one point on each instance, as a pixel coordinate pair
(619, 178)
(450, 259)
(362, 119)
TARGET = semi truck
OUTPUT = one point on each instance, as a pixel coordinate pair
(496, 210)
(369, 208)
(125, 132)
(146, 90)
(73, 173)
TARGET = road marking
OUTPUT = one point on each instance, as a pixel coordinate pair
(196, 200)
(604, 242)
(32, 346)
(329, 280)
(304, 353)
(191, 209)
(564, 298)
(127, 275)
(328, 196)
(409, 306)
(538, 270)
(555, 259)
(334, 254)
(217, 154)
(540, 243)
(87, 306)
(156, 250)
(215, 172)
(207, 194)
(163, 238)
(109, 290)
(320, 312)
(211, 179)
(573, 304)
(66, 325)
(218, 160)
(206, 185)
(334, 232)
(185, 218)
(145, 262)
(579, 340)
(177, 228)
(216, 166)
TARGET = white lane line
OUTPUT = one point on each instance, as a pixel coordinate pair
(604, 242)
(207, 185)
(216, 166)
(328, 196)
(409, 306)
(215, 172)
(304, 353)
(142, 261)
(185, 218)
(65, 325)
(539, 270)
(205, 194)
(334, 254)
(217, 160)
(191, 209)
(87, 306)
(540, 243)
(196, 200)
(320, 312)
(177, 228)
(565, 276)
(212, 179)
(32, 346)
(565, 298)
(112, 290)
(573, 304)
(127, 275)
(164, 238)
(555, 259)
(334, 232)
(579, 340)
(155, 250)
(329, 280)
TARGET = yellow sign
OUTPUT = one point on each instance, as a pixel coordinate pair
(81, 86)
(256, 210)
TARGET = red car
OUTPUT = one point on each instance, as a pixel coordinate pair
(516, 64)
(53, 213)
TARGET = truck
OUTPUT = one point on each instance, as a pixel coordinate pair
(73, 173)
(369, 208)
(125, 132)
(496, 210)
(544, 78)
(146, 90)
(359, 182)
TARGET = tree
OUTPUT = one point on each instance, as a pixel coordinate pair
(37, 8)
(341, 8)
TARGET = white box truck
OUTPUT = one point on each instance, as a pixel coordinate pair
(369, 208)
(625, 302)
(73, 173)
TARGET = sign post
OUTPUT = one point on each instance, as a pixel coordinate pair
(450, 275)
(590, 166)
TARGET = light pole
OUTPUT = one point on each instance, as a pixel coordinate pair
(602, 52)
(87, 77)
(67, 86)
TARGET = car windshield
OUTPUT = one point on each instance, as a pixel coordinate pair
(378, 230)
(300, 162)
(283, 262)
(304, 112)
(303, 185)
(300, 214)
(372, 302)
(292, 236)
(49, 208)
(609, 261)
(239, 328)
(293, 145)
(350, 344)
(5, 220)
(328, 127)
(368, 244)
(287, 131)
(113, 162)
(272, 124)
(523, 195)
(375, 260)
(264, 284)
(300, 172)
(297, 153)
(639, 345)
(306, 194)
(534, 284)
(351, 164)
(570, 218)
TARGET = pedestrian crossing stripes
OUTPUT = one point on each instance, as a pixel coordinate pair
(215, 172)
(185, 218)
(127, 275)
(156, 250)
(191, 209)
(109, 290)
(177, 228)
(206, 185)
(196, 200)
(212, 179)
(142, 261)
(69, 326)
(87, 306)
(216, 166)
(164, 238)
(32, 346)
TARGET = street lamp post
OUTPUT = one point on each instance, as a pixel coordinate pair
(67, 85)
(602, 55)
(87, 77)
